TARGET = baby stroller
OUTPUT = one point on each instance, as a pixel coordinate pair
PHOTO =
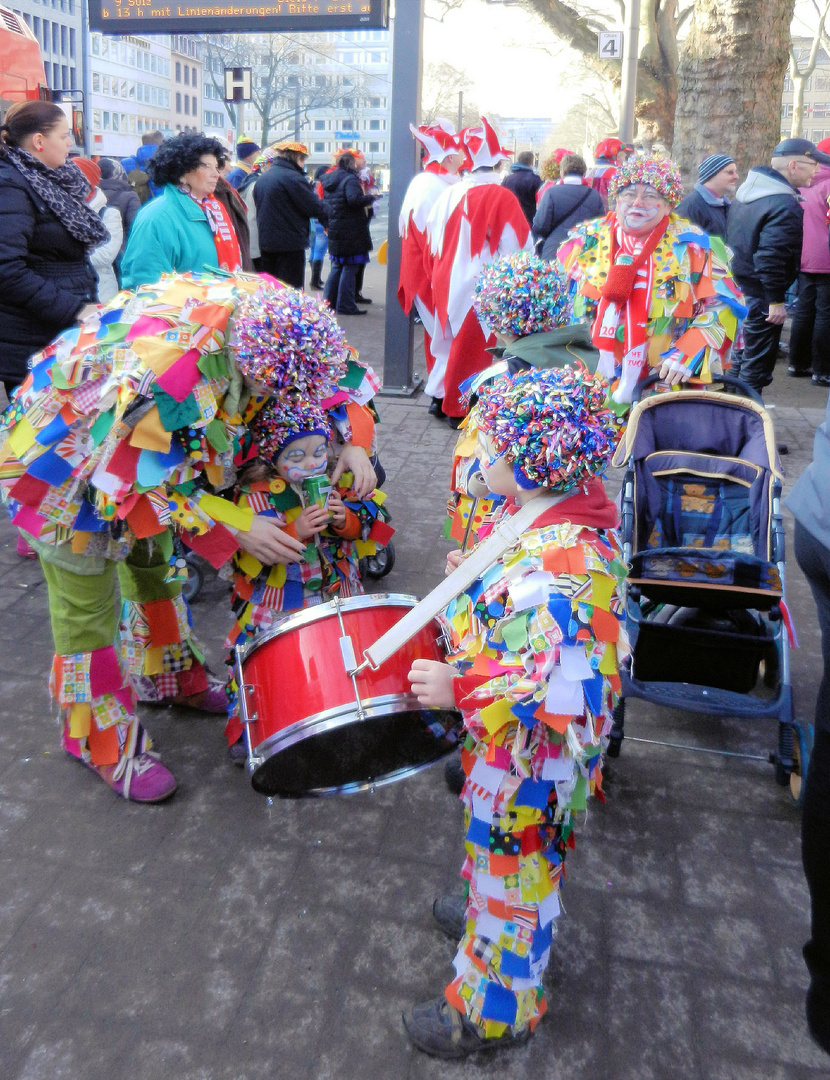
(704, 539)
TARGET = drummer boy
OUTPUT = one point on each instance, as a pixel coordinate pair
(537, 640)
(288, 480)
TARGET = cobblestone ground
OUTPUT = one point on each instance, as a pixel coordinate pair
(218, 937)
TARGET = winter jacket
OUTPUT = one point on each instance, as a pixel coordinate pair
(815, 253)
(699, 208)
(346, 204)
(764, 230)
(103, 256)
(285, 204)
(237, 211)
(169, 235)
(809, 500)
(524, 183)
(45, 274)
(562, 207)
(237, 174)
(121, 194)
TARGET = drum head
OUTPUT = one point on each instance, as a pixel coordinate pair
(343, 754)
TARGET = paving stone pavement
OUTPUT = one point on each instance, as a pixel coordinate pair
(218, 937)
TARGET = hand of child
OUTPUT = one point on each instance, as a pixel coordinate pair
(311, 521)
(454, 560)
(269, 543)
(356, 460)
(432, 683)
(337, 509)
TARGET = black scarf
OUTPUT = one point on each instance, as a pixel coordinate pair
(63, 190)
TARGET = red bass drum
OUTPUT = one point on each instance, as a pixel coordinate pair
(313, 728)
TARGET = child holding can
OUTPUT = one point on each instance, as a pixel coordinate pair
(288, 481)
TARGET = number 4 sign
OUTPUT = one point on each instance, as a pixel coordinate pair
(610, 45)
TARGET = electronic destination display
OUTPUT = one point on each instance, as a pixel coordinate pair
(231, 16)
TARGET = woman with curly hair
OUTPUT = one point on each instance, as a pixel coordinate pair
(187, 228)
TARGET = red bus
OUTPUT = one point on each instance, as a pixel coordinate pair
(22, 77)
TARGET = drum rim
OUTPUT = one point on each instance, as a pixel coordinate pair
(310, 615)
(342, 716)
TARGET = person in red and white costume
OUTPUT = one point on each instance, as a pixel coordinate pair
(472, 223)
(442, 159)
(608, 154)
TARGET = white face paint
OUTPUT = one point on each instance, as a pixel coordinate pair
(303, 457)
(640, 209)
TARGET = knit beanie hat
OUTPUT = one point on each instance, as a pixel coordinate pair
(246, 146)
(712, 165)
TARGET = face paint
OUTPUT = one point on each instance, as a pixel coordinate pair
(307, 456)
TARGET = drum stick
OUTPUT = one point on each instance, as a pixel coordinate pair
(504, 535)
(469, 527)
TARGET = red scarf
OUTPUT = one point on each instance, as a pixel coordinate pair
(227, 245)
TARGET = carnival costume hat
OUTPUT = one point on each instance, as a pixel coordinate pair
(610, 147)
(439, 140)
(660, 173)
(297, 147)
(289, 342)
(550, 166)
(522, 294)
(552, 426)
(284, 419)
(482, 145)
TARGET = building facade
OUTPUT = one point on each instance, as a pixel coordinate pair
(815, 114)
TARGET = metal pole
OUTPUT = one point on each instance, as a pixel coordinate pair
(407, 63)
(631, 51)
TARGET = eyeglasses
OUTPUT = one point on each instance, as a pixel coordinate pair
(799, 161)
(648, 198)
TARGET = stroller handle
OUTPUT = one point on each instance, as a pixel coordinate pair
(731, 381)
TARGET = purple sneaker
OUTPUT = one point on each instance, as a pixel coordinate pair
(144, 780)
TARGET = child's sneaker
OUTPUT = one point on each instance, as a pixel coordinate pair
(144, 780)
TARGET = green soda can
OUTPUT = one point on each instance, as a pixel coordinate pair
(316, 490)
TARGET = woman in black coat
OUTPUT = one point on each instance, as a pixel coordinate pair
(120, 193)
(348, 229)
(46, 234)
(564, 205)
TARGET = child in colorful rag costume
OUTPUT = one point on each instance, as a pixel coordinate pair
(122, 433)
(537, 642)
(655, 288)
(290, 444)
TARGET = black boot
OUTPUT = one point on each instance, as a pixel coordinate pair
(316, 272)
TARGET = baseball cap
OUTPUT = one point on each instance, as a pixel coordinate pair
(801, 148)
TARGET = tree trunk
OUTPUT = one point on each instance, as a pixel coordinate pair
(730, 80)
(799, 83)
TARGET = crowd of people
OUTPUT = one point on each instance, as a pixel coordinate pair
(170, 380)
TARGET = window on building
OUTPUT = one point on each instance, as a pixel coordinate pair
(194, 108)
(374, 103)
(818, 136)
(293, 80)
(319, 125)
(787, 111)
(320, 80)
(348, 103)
(96, 42)
(178, 103)
(187, 104)
(319, 148)
(106, 124)
(96, 83)
(374, 148)
(96, 119)
(105, 85)
(71, 43)
(375, 58)
(374, 125)
(178, 72)
(194, 81)
(788, 84)
(56, 38)
(115, 122)
(186, 75)
(124, 88)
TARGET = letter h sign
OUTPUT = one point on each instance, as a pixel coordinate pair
(238, 84)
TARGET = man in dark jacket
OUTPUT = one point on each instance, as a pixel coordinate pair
(565, 205)
(764, 230)
(285, 204)
(707, 205)
(524, 183)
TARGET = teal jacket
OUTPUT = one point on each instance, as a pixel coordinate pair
(169, 235)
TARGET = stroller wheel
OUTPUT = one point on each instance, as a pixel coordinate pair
(802, 748)
(195, 579)
(380, 564)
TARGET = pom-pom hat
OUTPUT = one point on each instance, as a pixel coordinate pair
(552, 426)
(522, 294)
(660, 173)
(287, 341)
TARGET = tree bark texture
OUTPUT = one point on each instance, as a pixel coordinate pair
(730, 82)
